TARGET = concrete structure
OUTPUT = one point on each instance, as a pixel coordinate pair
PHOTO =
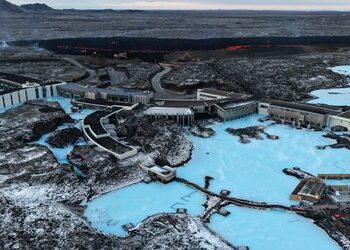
(313, 116)
(234, 110)
(19, 96)
(98, 130)
(309, 189)
(164, 174)
(12, 81)
(342, 120)
(214, 94)
(182, 116)
(80, 92)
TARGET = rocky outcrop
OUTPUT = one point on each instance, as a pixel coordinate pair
(27, 123)
(163, 140)
(103, 172)
(64, 137)
(200, 131)
(174, 231)
(39, 197)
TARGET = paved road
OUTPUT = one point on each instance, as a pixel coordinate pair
(156, 80)
(165, 93)
(91, 72)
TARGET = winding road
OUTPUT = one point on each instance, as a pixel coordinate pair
(165, 93)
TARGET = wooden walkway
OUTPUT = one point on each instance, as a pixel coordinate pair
(242, 202)
(334, 176)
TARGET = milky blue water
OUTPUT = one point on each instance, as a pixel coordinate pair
(62, 153)
(134, 203)
(342, 70)
(270, 230)
(336, 96)
(251, 171)
(59, 153)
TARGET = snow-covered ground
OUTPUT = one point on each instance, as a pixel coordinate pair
(251, 171)
(337, 96)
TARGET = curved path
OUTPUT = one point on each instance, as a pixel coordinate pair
(156, 80)
(165, 93)
(89, 71)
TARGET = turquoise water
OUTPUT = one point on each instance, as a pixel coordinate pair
(270, 230)
(134, 203)
(62, 153)
(251, 171)
(336, 96)
(342, 70)
(254, 171)
(59, 153)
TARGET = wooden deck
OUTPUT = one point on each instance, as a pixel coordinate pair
(334, 176)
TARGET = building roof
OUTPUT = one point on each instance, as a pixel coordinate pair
(234, 104)
(345, 114)
(215, 92)
(184, 103)
(310, 187)
(168, 111)
(73, 87)
(94, 121)
(109, 143)
(312, 108)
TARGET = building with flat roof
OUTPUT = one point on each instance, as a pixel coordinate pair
(164, 174)
(231, 110)
(98, 131)
(314, 116)
(214, 94)
(182, 116)
(309, 189)
(342, 120)
(80, 92)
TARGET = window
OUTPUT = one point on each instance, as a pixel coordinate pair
(44, 92)
(37, 93)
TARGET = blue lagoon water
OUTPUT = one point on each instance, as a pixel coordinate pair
(270, 230)
(134, 203)
(336, 96)
(251, 171)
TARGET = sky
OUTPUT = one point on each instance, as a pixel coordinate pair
(340, 5)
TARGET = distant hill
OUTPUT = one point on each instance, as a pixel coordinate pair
(10, 8)
(37, 7)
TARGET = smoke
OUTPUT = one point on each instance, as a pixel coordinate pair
(4, 45)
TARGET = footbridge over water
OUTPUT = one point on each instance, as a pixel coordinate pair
(242, 202)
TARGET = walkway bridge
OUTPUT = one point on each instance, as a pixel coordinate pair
(242, 202)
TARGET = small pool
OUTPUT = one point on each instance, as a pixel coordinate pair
(132, 204)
